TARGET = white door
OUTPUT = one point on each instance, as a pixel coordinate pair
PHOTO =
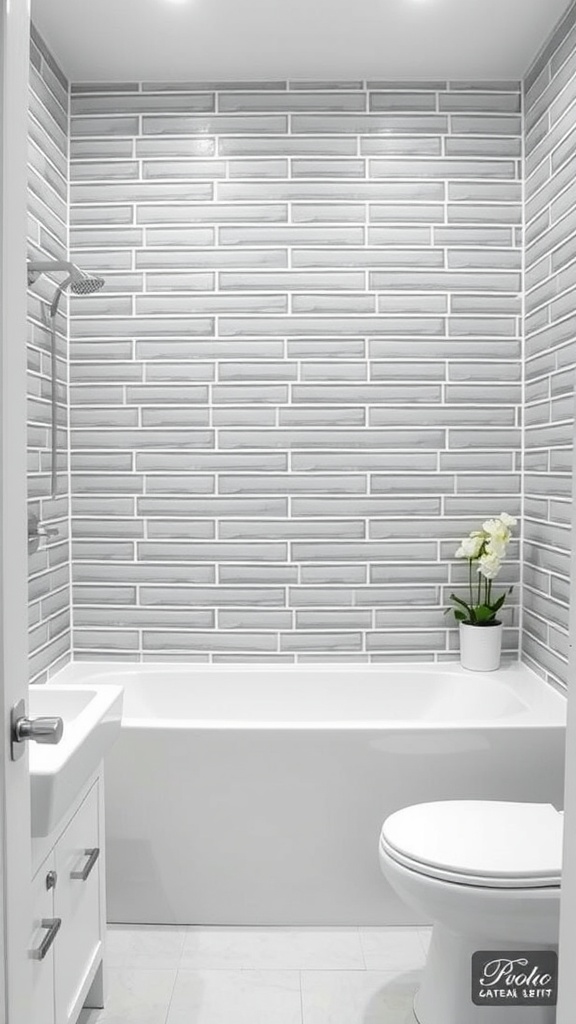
(14, 780)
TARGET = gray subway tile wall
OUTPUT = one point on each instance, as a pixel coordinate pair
(301, 384)
(49, 566)
(550, 356)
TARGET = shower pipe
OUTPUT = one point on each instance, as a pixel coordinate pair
(81, 284)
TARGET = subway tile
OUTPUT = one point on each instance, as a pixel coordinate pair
(211, 507)
(86, 327)
(293, 483)
(292, 529)
(336, 641)
(378, 124)
(169, 304)
(261, 619)
(362, 461)
(401, 191)
(240, 416)
(375, 505)
(155, 170)
(141, 103)
(214, 552)
(264, 597)
(367, 394)
(211, 213)
(332, 304)
(254, 574)
(492, 213)
(141, 573)
(485, 191)
(329, 101)
(408, 640)
(309, 168)
(499, 146)
(175, 416)
(174, 147)
(364, 551)
(81, 127)
(289, 280)
(258, 168)
(425, 280)
(142, 618)
(328, 213)
(218, 640)
(173, 259)
(481, 102)
(405, 101)
(325, 417)
(343, 372)
(295, 325)
(288, 235)
(263, 145)
(330, 439)
(442, 168)
(370, 256)
(341, 619)
(424, 213)
(272, 309)
(138, 439)
(481, 124)
(221, 125)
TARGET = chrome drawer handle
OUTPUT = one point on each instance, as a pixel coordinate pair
(53, 926)
(92, 858)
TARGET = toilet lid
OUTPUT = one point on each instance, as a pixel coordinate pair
(476, 842)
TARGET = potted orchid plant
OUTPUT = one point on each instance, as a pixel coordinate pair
(477, 615)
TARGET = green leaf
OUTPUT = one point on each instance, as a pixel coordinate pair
(484, 613)
(498, 604)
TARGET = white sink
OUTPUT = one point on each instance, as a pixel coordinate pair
(92, 716)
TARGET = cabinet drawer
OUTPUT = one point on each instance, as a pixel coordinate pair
(77, 903)
(42, 968)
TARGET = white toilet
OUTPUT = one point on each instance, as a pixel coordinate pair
(487, 875)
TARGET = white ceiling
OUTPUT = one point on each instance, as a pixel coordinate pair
(195, 40)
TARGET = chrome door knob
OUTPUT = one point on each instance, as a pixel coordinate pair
(41, 730)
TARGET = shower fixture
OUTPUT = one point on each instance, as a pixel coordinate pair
(81, 284)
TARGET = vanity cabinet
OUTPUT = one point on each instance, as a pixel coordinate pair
(69, 913)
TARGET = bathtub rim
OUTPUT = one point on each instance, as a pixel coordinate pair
(544, 705)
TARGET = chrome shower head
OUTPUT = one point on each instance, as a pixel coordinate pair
(80, 282)
(84, 284)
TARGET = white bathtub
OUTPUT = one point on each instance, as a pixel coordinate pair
(243, 794)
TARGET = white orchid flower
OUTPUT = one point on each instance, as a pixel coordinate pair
(489, 565)
(497, 546)
(509, 521)
(496, 528)
(470, 546)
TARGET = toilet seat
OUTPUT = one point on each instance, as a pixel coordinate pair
(493, 844)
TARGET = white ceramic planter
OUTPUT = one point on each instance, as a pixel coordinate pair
(480, 647)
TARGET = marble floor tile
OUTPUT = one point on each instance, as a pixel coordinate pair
(273, 949)
(358, 997)
(134, 996)
(144, 946)
(392, 949)
(236, 997)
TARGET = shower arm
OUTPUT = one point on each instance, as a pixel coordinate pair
(37, 267)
